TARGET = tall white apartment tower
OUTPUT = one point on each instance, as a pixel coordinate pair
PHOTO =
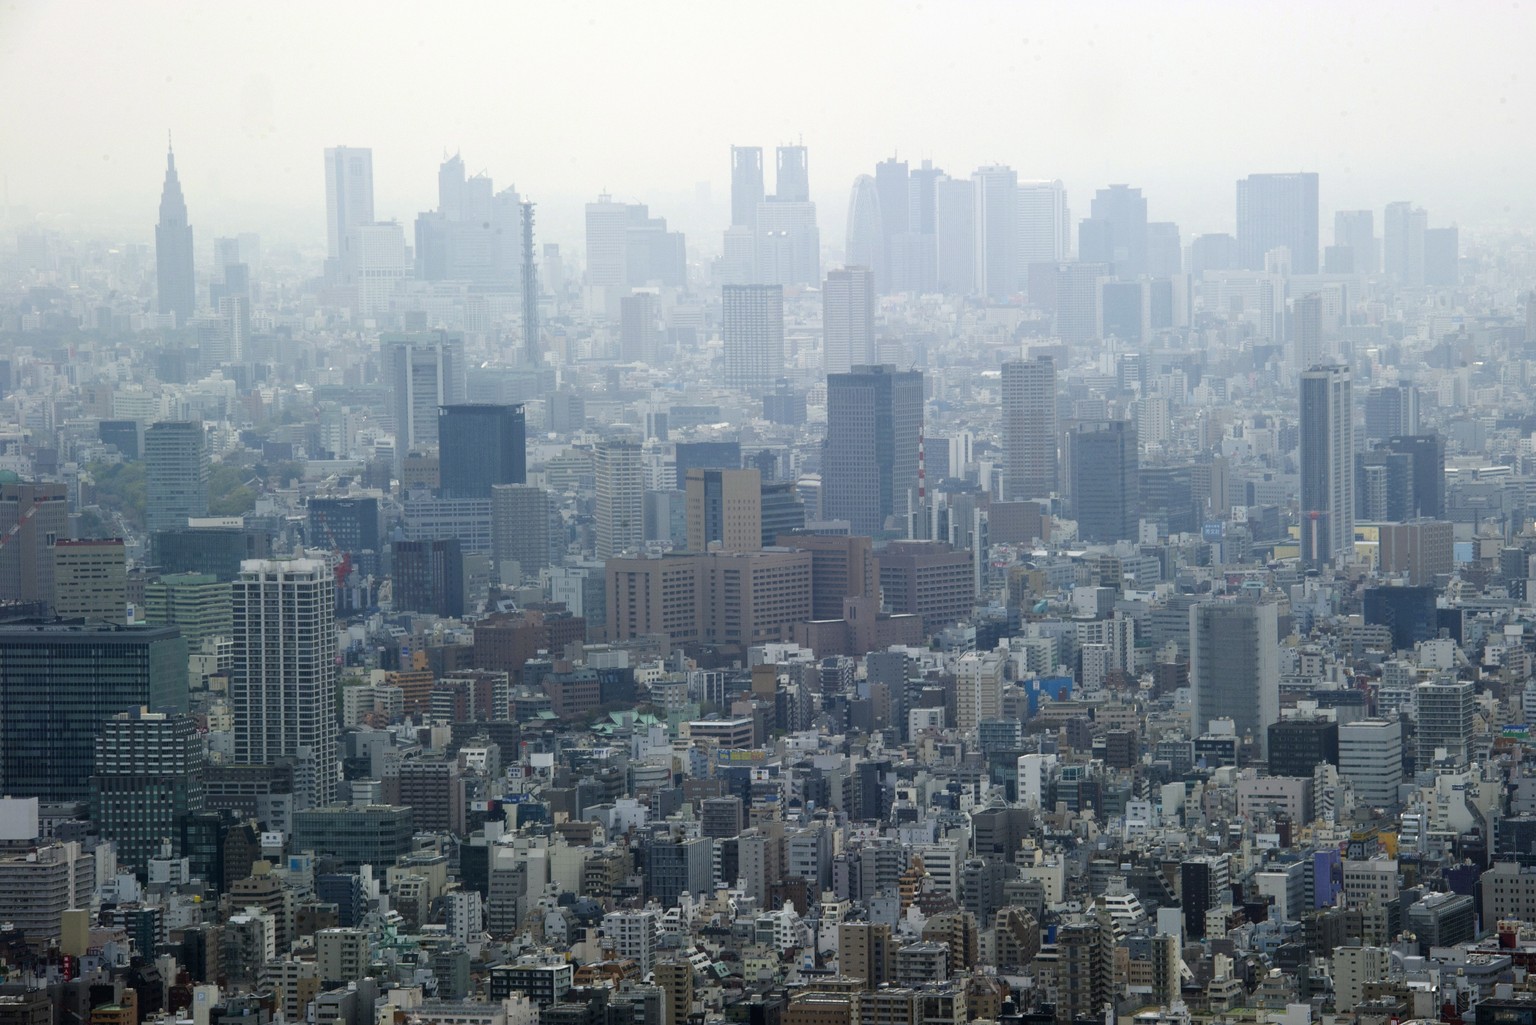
(620, 508)
(283, 688)
(1327, 465)
(752, 329)
(348, 205)
(848, 319)
(1045, 224)
(1029, 429)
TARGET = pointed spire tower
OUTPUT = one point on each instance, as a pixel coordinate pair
(176, 289)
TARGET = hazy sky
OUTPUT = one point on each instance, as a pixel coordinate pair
(1429, 102)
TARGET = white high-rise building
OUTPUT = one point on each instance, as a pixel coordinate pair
(1045, 223)
(376, 255)
(348, 205)
(425, 373)
(1371, 758)
(848, 319)
(1327, 465)
(954, 236)
(1029, 429)
(995, 227)
(1445, 711)
(620, 508)
(978, 688)
(176, 472)
(283, 687)
(1234, 666)
(752, 330)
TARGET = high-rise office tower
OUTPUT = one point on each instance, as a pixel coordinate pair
(895, 270)
(1079, 295)
(480, 445)
(620, 505)
(1275, 210)
(848, 319)
(1402, 244)
(865, 245)
(1355, 230)
(1116, 231)
(1444, 721)
(1029, 429)
(753, 332)
(1216, 252)
(283, 686)
(375, 265)
(1234, 666)
(1391, 411)
(348, 204)
(60, 683)
(147, 778)
(524, 530)
(1428, 454)
(175, 473)
(746, 185)
(423, 373)
(1307, 331)
(1105, 485)
(639, 339)
(725, 508)
(428, 576)
(90, 579)
(1044, 223)
(1371, 758)
(792, 179)
(954, 237)
(995, 227)
(176, 291)
(869, 457)
(922, 225)
(787, 244)
(607, 235)
(1327, 465)
(33, 517)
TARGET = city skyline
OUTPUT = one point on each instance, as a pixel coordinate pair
(1088, 126)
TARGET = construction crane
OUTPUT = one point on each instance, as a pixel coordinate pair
(21, 521)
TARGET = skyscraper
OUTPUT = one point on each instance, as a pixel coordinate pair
(1428, 454)
(724, 507)
(91, 579)
(59, 684)
(147, 777)
(176, 474)
(1327, 465)
(954, 238)
(283, 686)
(1356, 231)
(1403, 227)
(1307, 331)
(348, 204)
(792, 179)
(1234, 666)
(639, 340)
(848, 319)
(1105, 485)
(523, 530)
(424, 373)
(1116, 233)
(1391, 411)
(896, 269)
(1044, 226)
(753, 333)
(746, 184)
(480, 445)
(1277, 210)
(995, 227)
(869, 457)
(620, 504)
(866, 230)
(175, 287)
(33, 517)
(1029, 429)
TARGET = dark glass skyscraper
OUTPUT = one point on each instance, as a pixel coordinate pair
(60, 684)
(1105, 484)
(481, 445)
(1277, 210)
(176, 291)
(869, 460)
